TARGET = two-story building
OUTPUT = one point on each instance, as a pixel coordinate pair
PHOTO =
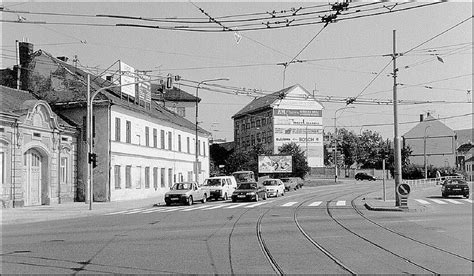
(142, 147)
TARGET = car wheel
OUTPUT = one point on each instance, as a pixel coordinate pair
(190, 200)
(234, 200)
(444, 195)
(265, 196)
(466, 196)
(225, 196)
(256, 197)
(204, 198)
(283, 193)
(168, 203)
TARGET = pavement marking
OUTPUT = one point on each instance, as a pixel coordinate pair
(422, 201)
(124, 211)
(215, 207)
(468, 200)
(237, 205)
(192, 209)
(289, 204)
(438, 201)
(173, 209)
(341, 203)
(136, 211)
(255, 204)
(453, 201)
(152, 211)
(316, 203)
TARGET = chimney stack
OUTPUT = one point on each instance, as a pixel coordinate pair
(25, 51)
(421, 117)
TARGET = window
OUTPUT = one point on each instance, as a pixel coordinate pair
(204, 148)
(181, 111)
(163, 172)
(117, 129)
(257, 123)
(118, 184)
(147, 136)
(252, 124)
(188, 149)
(198, 147)
(179, 142)
(155, 178)
(139, 177)
(155, 138)
(170, 178)
(84, 128)
(147, 177)
(2, 168)
(170, 141)
(264, 121)
(162, 137)
(63, 170)
(128, 135)
(128, 177)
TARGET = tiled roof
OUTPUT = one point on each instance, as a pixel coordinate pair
(112, 94)
(263, 102)
(173, 95)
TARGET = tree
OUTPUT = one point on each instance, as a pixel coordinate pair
(300, 164)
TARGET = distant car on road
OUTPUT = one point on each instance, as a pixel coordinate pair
(455, 187)
(186, 193)
(275, 187)
(291, 183)
(364, 176)
(249, 191)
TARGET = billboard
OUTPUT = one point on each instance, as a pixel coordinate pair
(127, 75)
(275, 164)
(144, 89)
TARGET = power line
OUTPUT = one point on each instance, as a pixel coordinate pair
(409, 122)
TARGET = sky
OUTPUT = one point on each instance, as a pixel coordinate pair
(346, 58)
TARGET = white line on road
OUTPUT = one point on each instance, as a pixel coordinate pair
(173, 209)
(153, 210)
(124, 211)
(215, 207)
(316, 203)
(422, 201)
(192, 209)
(237, 205)
(468, 200)
(453, 201)
(341, 203)
(289, 204)
(438, 201)
(255, 204)
(137, 211)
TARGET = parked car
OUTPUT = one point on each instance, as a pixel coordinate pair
(218, 187)
(186, 193)
(275, 187)
(364, 176)
(455, 187)
(249, 191)
(290, 183)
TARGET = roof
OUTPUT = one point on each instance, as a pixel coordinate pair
(173, 95)
(431, 127)
(465, 147)
(76, 92)
(264, 102)
(464, 136)
(17, 102)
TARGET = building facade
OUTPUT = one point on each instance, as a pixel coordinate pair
(38, 152)
(142, 148)
(288, 115)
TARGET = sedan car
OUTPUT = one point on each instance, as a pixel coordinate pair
(455, 187)
(364, 176)
(186, 193)
(249, 191)
(275, 187)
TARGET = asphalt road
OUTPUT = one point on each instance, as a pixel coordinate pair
(315, 230)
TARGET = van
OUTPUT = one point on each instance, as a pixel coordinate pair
(220, 187)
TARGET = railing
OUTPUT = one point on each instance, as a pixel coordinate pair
(429, 182)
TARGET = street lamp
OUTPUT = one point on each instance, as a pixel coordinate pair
(424, 153)
(335, 144)
(196, 173)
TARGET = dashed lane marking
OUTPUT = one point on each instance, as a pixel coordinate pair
(453, 201)
(341, 203)
(468, 200)
(422, 201)
(438, 201)
(192, 209)
(215, 207)
(255, 204)
(124, 211)
(289, 204)
(237, 205)
(316, 203)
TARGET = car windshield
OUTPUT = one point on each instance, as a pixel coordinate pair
(182, 186)
(212, 182)
(270, 183)
(285, 179)
(455, 182)
(246, 186)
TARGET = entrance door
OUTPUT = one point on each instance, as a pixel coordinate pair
(32, 162)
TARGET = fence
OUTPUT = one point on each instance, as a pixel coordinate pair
(429, 182)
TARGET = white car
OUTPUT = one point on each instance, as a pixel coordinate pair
(220, 187)
(275, 187)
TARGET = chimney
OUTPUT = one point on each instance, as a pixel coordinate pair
(25, 51)
(421, 117)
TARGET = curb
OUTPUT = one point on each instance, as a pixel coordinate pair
(390, 209)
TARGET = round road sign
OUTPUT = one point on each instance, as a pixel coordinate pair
(403, 189)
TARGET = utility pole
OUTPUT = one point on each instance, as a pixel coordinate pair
(396, 139)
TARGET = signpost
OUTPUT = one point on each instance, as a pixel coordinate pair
(403, 190)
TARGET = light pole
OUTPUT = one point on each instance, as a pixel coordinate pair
(196, 153)
(90, 100)
(424, 153)
(335, 144)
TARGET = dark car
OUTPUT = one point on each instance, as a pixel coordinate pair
(364, 176)
(455, 187)
(290, 183)
(249, 191)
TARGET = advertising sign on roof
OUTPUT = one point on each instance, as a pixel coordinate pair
(127, 76)
(144, 88)
(297, 112)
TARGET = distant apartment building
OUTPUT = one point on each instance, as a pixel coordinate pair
(142, 148)
(288, 115)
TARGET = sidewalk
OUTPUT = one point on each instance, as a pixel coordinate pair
(71, 210)
(374, 202)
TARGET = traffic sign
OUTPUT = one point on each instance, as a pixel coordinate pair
(403, 189)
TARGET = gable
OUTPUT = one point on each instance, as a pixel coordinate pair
(431, 127)
(297, 96)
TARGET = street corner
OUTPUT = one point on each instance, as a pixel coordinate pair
(377, 204)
